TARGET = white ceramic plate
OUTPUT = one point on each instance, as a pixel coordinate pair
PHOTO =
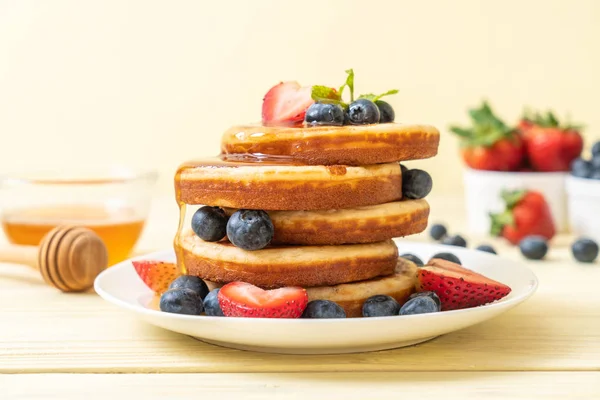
(121, 286)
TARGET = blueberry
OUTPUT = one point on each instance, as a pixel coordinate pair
(386, 112)
(362, 112)
(416, 184)
(250, 229)
(190, 282)
(419, 305)
(585, 250)
(323, 309)
(211, 304)
(209, 223)
(595, 163)
(438, 231)
(534, 247)
(454, 240)
(380, 305)
(324, 114)
(403, 169)
(595, 175)
(181, 301)
(487, 248)
(413, 258)
(581, 168)
(448, 257)
(596, 149)
(432, 295)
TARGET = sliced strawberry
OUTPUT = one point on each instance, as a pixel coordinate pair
(241, 299)
(458, 287)
(286, 103)
(157, 275)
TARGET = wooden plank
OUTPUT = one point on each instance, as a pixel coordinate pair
(47, 331)
(346, 386)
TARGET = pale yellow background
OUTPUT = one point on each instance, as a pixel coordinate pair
(152, 83)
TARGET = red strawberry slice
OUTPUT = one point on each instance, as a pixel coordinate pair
(241, 299)
(286, 103)
(458, 287)
(157, 275)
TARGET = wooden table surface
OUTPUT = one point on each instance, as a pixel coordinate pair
(61, 346)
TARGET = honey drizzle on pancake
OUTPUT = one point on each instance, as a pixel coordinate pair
(222, 160)
(182, 212)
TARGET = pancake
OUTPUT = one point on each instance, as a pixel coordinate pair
(351, 296)
(333, 145)
(280, 266)
(344, 226)
(286, 186)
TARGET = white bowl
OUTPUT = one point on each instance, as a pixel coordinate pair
(483, 190)
(583, 199)
(121, 286)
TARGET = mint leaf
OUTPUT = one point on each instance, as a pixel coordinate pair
(388, 93)
(324, 94)
(374, 97)
(349, 83)
(368, 96)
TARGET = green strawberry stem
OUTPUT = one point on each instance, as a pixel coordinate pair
(549, 120)
(500, 220)
(512, 197)
(486, 128)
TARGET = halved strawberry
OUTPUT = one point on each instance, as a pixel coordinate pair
(157, 275)
(286, 103)
(241, 299)
(458, 287)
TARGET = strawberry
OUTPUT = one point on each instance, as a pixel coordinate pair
(157, 275)
(549, 146)
(527, 213)
(241, 299)
(458, 287)
(489, 144)
(286, 103)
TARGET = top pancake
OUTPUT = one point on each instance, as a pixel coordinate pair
(335, 145)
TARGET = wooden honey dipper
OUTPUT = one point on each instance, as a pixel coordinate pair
(68, 257)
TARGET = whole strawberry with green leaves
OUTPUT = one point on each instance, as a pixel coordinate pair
(489, 144)
(549, 145)
(526, 213)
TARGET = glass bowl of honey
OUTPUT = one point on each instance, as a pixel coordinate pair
(113, 202)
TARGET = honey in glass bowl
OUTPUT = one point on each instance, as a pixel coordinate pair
(114, 206)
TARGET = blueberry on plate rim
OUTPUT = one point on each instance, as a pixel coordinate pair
(380, 305)
(433, 296)
(190, 282)
(323, 309)
(181, 301)
(211, 304)
(419, 305)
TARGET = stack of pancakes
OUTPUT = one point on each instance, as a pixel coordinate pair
(334, 195)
